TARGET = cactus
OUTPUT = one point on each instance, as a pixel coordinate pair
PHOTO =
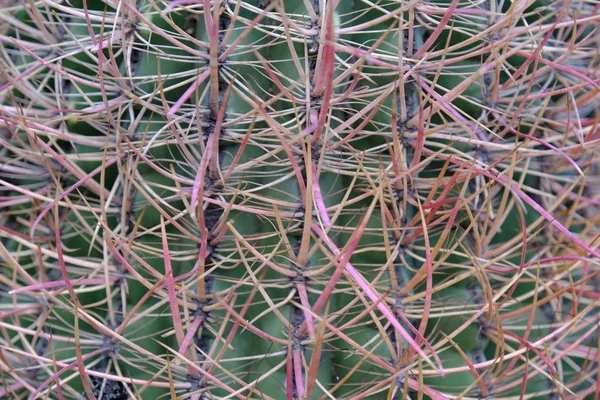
(259, 199)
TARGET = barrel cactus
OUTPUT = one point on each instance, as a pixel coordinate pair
(287, 199)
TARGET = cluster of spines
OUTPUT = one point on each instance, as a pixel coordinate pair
(495, 113)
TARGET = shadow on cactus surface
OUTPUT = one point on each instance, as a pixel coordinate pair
(299, 199)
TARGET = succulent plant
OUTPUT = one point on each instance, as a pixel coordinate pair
(289, 199)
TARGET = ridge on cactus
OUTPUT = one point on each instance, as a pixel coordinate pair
(299, 199)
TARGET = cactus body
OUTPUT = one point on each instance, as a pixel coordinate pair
(299, 199)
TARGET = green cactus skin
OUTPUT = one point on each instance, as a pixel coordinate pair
(285, 199)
